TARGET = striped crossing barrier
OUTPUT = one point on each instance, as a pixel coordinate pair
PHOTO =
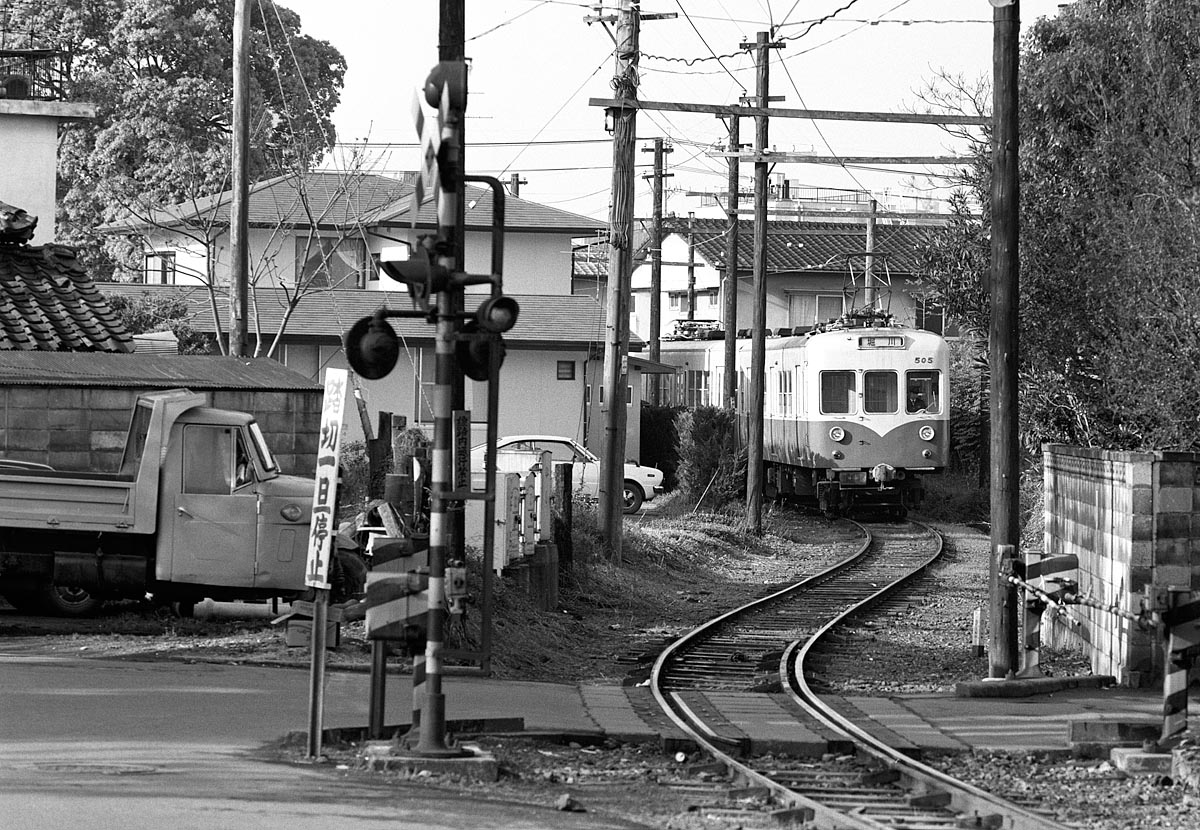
(1183, 644)
(1050, 577)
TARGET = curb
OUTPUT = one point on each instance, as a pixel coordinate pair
(1027, 687)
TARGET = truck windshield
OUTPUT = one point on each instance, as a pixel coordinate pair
(264, 452)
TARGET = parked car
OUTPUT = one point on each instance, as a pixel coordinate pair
(517, 453)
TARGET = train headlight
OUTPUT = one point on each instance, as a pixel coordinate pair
(926, 432)
(837, 434)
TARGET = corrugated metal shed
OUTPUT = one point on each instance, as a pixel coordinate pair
(49, 303)
(67, 369)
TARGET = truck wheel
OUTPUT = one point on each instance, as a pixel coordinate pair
(69, 601)
(632, 494)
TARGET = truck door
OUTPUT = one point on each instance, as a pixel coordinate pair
(216, 514)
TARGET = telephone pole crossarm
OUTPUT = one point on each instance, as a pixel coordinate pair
(784, 112)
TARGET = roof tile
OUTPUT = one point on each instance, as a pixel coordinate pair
(48, 302)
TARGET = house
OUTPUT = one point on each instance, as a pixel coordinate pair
(810, 267)
(30, 117)
(554, 353)
(328, 229)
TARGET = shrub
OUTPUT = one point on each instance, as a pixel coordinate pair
(712, 468)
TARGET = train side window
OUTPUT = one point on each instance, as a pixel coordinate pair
(922, 392)
(837, 392)
(783, 381)
(881, 392)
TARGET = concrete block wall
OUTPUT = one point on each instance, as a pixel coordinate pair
(84, 428)
(1129, 518)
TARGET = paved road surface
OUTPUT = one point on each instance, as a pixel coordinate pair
(125, 746)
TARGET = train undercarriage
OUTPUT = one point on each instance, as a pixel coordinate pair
(838, 492)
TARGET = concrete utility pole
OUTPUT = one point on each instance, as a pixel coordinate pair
(691, 267)
(239, 227)
(729, 391)
(1003, 341)
(620, 268)
(656, 178)
(758, 333)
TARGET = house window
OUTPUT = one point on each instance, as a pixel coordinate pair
(675, 300)
(160, 268)
(328, 263)
(633, 303)
(807, 308)
(712, 299)
(695, 388)
(566, 370)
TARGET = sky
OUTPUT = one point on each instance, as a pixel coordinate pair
(535, 63)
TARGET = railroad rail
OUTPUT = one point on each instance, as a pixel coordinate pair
(859, 783)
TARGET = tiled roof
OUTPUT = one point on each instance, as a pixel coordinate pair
(518, 214)
(195, 372)
(566, 321)
(328, 198)
(338, 199)
(49, 303)
(810, 246)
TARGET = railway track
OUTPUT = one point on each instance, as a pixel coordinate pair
(859, 782)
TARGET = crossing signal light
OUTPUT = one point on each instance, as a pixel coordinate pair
(480, 338)
(420, 272)
(372, 347)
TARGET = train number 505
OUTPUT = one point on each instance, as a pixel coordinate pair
(921, 360)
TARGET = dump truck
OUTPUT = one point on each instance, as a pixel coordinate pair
(197, 509)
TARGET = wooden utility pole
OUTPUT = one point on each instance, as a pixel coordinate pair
(656, 177)
(758, 333)
(1003, 341)
(620, 268)
(691, 267)
(514, 184)
(239, 226)
(729, 391)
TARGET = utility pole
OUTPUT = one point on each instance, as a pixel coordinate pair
(729, 392)
(656, 177)
(620, 267)
(514, 184)
(758, 346)
(691, 267)
(1003, 340)
(239, 227)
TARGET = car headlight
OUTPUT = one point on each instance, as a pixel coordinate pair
(926, 432)
(837, 434)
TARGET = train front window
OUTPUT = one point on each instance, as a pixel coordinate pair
(880, 392)
(922, 392)
(837, 393)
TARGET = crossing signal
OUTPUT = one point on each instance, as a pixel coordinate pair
(480, 337)
(420, 272)
(372, 347)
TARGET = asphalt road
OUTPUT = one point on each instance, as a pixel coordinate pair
(130, 745)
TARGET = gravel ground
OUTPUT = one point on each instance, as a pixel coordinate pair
(611, 623)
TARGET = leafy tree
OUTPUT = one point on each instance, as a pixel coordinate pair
(712, 469)
(149, 313)
(160, 75)
(1110, 187)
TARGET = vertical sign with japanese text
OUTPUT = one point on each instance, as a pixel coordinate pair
(324, 522)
